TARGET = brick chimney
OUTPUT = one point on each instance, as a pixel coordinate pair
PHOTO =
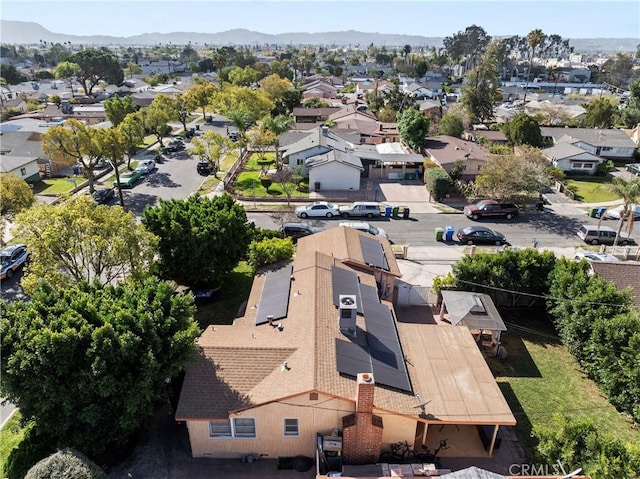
(362, 431)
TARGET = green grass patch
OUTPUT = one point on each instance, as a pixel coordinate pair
(541, 378)
(252, 164)
(208, 185)
(592, 190)
(58, 186)
(226, 304)
(248, 184)
(10, 436)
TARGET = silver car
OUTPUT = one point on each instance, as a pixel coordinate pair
(318, 209)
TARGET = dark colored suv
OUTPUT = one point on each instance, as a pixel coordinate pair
(488, 208)
(299, 230)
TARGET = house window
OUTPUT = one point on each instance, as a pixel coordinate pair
(291, 427)
(220, 428)
(238, 427)
(23, 171)
(244, 427)
(300, 161)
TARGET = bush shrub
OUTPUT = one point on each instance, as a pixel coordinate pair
(269, 251)
(67, 463)
(438, 181)
(266, 181)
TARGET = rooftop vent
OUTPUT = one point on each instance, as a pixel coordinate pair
(347, 313)
(477, 307)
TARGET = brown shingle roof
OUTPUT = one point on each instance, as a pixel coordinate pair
(623, 274)
(240, 365)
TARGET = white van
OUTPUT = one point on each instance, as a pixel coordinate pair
(366, 227)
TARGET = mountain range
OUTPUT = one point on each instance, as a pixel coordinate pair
(25, 33)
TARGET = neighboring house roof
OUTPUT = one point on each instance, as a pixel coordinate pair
(610, 137)
(567, 150)
(352, 110)
(12, 163)
(621, 273)
(26, 144)
(334, 156)
(489, 135)
(315, 138)
(12, 103)
(424, 105)
(315, 112)
(240, 366)
(446, 150)
(473, 310)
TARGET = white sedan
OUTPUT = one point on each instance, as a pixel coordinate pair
(614, 213)
(317, 209)
(593, 256)
(146, 166)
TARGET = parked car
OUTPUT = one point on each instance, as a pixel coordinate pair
(299, 230)
(489, 208)
(12, 258)
(633, 168)
(593, 256)
(233, 136)
(481, 235)
(128, 179)
(366, 227)
(103, 196)
(361, 208)
(614, 213)
(318, 208)
(204, 167)
(146, 166)
(594, 234)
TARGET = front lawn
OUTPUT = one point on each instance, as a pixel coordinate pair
(248, 182)
(57, 186)
(592, 189)
(541, 378)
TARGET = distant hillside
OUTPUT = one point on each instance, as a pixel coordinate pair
(16, 32)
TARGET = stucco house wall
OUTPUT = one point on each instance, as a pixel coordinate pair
(334, 176)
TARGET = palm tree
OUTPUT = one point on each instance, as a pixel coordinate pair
(630, 193)
(277, 125)
(534, 40)
(241, 119)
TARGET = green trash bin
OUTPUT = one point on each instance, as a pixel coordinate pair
(439, 234)
(593, 212)
(395, 211)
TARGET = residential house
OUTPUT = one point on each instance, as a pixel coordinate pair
(319, 89)
(143, 98)
(447, 151)
(337, 170)
(320, 355)
(430, 108)
(319, 141)
(391, 161)
(624, 274)
(609, 143)
(555, 113)
(485, 135)
(15, 104)
(308, 118)
(571, 158)
(20, 153)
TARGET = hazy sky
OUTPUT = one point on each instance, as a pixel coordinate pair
(567, 18)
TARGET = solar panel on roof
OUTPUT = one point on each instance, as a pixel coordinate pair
(274, 300)
(373, 253)
(345, 282)
(352, 359)
(369, 294)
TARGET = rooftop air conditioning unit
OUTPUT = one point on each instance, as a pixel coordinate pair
(347, 314)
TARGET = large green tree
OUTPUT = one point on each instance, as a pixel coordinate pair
(278, 125)
(201, 239)
(523, 129)
(631, 111)
(89, 364)
(78, 241)
(132, 130)
(200, 96)
(514, 176)
(211, 146)
(15, 194)
(601, 112)
(481, 91)
(117, 108)
(74, 142)
(68, 71)
(451, 125)
(96, 65)
(413, 127)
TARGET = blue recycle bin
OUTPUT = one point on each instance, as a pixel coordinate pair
(600, 212)
(387, 211)
(448, 233)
